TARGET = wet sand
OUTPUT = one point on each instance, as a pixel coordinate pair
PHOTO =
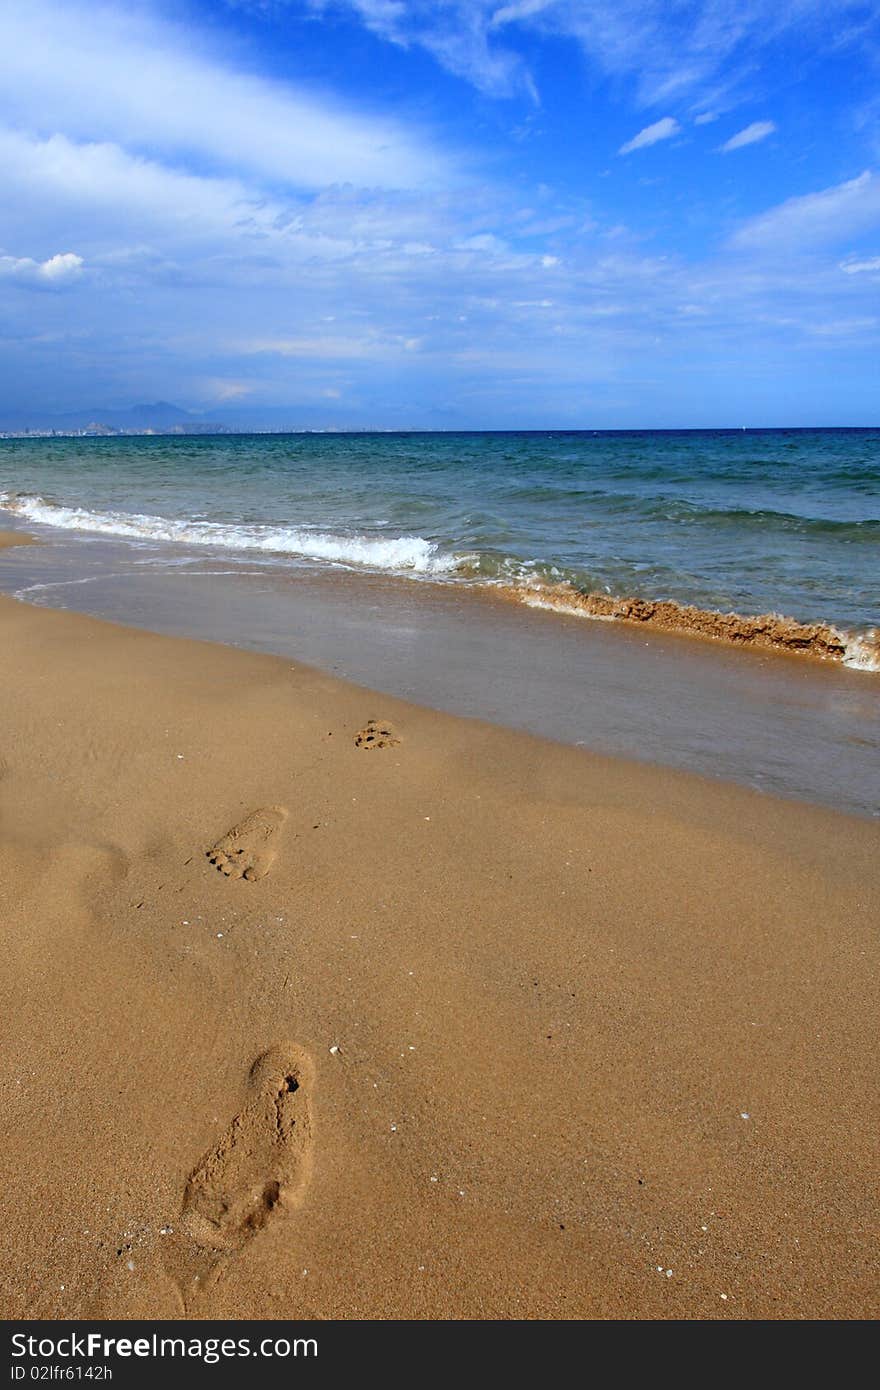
(789, 725)
(318, 1003)
(10, 538)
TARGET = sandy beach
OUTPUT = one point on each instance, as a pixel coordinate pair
(319, 1004)
(439, 674)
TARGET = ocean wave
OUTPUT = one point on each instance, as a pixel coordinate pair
(862, 528)
(412, 554)
(535, 583)
(859, 651)
(605, 502)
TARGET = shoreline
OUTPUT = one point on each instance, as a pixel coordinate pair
(801, 729)
(559, 1023)
(764, 632)
(852, 642)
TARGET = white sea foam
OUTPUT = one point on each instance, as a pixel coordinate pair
(411, 554)
(861, 655)
(534, 600)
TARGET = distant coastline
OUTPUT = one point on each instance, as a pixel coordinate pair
(164, 418)
(99, 430)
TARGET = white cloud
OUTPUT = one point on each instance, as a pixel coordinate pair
(138, 221)
(125, 77)
(758, 130)
(62, 266)
(660, 130)
(57, 270)
(861, 267)
(109, 198)
(814, 220)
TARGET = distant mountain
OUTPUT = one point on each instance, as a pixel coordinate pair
(160, 415)
(165, 418)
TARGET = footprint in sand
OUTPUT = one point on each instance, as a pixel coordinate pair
(261, 1164)
(377, 733)
(248, 850)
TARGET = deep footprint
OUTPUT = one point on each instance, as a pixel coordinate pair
(248, 850)
(261, 1165)
(377, 733)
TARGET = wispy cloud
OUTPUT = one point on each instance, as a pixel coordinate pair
(140, 221)
(109, 197)
(223, 391)
(127, 76)
(814, 220)
(457, 33)
(240, 239)
(668, 50)
(751, 135)
(369, 346)
(660, 130)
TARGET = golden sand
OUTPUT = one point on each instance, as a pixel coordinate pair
(309, 1013)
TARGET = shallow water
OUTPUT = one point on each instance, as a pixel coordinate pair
(781, 724)
(752, 521)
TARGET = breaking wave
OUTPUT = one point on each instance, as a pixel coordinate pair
(397, 554)
(535, 584)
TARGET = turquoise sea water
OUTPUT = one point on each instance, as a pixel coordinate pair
(786, 521)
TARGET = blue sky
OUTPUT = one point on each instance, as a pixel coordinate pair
(443, 213)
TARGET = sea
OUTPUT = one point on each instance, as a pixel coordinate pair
(783, 521)
(392, 558)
